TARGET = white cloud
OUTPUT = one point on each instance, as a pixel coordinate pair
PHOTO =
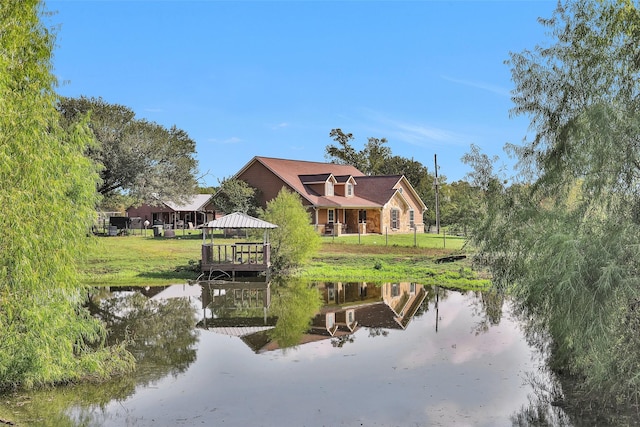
(479, 85)
(280, 126)
(419, 134)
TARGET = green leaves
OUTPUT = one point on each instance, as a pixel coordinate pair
(295, 239)
(141, 159)
(565, 243)
(47, 190)
(235, 195)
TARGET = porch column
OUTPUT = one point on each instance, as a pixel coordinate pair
(315, 225)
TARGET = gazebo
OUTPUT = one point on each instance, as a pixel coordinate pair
(244, 257)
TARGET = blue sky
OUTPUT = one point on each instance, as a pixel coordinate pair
(272, 78)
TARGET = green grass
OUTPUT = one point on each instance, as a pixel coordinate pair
(420, 240)
(147, 261)
(341, 261)
(139, 260)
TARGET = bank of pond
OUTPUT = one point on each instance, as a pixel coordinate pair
(313, 354)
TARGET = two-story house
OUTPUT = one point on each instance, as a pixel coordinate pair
(340, 199)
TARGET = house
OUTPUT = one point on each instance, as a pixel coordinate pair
(192, 212)
(340, 199)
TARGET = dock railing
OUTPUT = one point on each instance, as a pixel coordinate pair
(236, 256)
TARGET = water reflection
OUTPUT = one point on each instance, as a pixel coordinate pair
(158, 325)
(310, 354)
(303, 313)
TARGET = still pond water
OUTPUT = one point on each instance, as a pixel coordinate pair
(375, 355)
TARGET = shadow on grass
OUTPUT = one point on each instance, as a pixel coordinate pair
(170, 275)
(178, 236)
(183, 272)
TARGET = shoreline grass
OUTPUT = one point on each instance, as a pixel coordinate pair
(147, 261)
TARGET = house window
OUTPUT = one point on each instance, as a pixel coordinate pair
(331, 293)
(362, 216)
(350, 317)
(412, 288)
(331, 216)
(331, 320)
(412, 222)
(395, 218)
(395, 289)
(349, 189)
(329, 187)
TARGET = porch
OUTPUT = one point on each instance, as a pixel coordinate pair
(337, 222)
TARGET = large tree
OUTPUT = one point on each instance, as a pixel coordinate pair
(567, 246)
(47, 194)
(460, 205)
(371, 160)
(139, 159)
(235, 195)
(376, 158)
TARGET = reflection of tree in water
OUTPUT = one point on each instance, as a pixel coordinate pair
(294, 303)
(377, 332)
(161, 333)
(564, 402)
(488, 306)
(340, 341)
(162, 338)
(543, 410)
(433, 293)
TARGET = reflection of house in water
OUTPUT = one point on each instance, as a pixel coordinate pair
(390, 305)
(242, 310)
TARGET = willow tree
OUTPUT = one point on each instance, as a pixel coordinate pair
(567, 244)
(47, 194)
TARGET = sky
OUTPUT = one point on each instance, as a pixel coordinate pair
(272, 78)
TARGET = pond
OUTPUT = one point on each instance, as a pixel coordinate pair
(299, 354)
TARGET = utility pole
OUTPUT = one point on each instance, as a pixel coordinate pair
(435, 160)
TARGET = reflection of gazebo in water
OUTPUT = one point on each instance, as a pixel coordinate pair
(246, 258)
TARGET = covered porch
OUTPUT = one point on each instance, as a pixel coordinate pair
(338, 221)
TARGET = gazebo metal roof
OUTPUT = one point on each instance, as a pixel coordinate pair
(239, 220)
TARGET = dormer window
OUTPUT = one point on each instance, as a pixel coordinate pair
(329, 188)
(349, 189)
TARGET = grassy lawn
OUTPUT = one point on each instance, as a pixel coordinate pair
(141, 261)
(420, 240)
(371, 261)
(148, 261)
